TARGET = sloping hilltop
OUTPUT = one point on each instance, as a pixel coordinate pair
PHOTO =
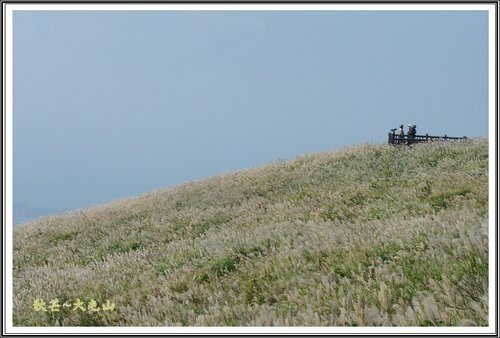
(362, 236)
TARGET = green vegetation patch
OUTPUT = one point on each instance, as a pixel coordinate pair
(441, 200)
(224, 265)
(217, 268)
(123, 246)
(58, 238)
(470, 275)
(205, 225)
(179, 286)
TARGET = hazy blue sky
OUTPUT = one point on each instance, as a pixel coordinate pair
(113, 104)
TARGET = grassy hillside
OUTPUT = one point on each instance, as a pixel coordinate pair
(362, 236)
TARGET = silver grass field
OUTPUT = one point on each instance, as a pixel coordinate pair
(371, 235)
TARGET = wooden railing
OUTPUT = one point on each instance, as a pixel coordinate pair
(408, 139)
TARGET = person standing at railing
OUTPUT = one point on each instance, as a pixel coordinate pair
(399, 135)
(392, 134)
(412, 131)
(400, 132)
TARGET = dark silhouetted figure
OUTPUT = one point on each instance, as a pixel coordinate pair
(392, 134)
(412, 131)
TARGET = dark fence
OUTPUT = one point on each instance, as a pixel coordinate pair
(408, 139)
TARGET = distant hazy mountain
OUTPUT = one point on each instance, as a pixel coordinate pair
(24, 213)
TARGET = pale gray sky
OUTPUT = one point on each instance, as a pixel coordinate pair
(113, 104)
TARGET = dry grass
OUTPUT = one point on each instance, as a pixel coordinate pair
(363, 236)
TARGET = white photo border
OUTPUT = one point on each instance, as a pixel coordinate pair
(9, 7)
